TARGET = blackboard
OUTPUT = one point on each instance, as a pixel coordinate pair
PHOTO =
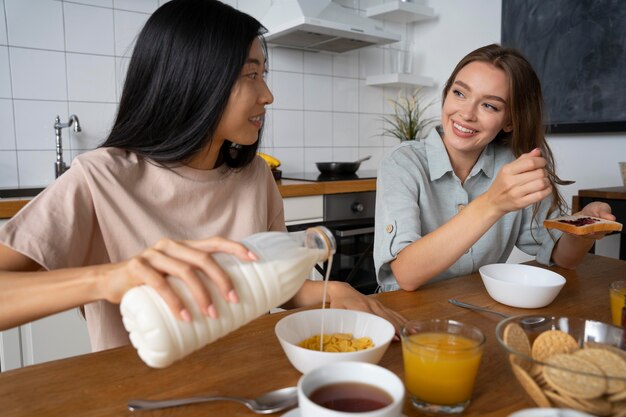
(578, 49)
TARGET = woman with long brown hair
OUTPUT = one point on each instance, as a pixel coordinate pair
(479, 185)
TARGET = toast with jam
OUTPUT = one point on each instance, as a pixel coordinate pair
(582, 225)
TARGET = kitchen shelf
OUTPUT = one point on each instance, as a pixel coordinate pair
(399, 80)
(401, 11)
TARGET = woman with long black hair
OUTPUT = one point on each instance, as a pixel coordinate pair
(179, 166)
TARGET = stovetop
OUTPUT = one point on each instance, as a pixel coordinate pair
(317, 177)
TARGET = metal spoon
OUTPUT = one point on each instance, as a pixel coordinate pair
(528, 321)
(270, 402)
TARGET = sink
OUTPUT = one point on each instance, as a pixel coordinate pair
(19, 192)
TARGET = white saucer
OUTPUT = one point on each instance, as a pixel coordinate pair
(296, 413)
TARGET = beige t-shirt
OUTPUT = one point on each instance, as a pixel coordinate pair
(111, 205)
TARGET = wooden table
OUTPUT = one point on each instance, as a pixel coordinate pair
(615, 197)
(250, 361)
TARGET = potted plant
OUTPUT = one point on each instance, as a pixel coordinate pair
(408, 121)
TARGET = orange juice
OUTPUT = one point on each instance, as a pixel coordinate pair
(440, 368)
(617, 292)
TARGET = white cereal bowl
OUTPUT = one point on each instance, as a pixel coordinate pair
(301, 325)
(522, 286)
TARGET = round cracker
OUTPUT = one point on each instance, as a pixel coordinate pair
(570, 375)
(614, 349)
(561, 400)
(597, 406)
(515, 338)
(531, 387)
(612, 365)
(552, 342)
(620, 396)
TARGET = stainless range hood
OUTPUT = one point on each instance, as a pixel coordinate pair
(322, 26)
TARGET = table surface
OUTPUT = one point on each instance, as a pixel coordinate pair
(249, 361)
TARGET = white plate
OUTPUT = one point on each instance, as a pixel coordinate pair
(296, 413)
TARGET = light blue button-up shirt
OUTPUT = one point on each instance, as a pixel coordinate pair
(417, 191)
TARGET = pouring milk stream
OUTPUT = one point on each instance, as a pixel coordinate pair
(285, 261)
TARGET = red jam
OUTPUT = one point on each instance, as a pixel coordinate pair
(580, 222)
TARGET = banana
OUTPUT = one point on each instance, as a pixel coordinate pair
(272, 162)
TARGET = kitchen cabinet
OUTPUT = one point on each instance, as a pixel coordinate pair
(303, 209)
(55, 337)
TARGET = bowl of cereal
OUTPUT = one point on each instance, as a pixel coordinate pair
(567, 362)
(348, 336)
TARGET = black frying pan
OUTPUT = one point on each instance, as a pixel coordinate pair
(340, 168)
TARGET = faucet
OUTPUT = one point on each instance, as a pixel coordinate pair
(59, 166)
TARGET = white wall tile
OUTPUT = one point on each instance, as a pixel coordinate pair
(8, 169)
(102, 3)
(313, 155)
(127, 28)
(35, 23)
(96, 120)
(370, 98)
(3, 25)
(348, 154)
(288, 128)
(30, 81)
(317, 63)
(255, 8)
(346, 64)
(292, 159)
(268, 129)
(287, 90)
(121, 66)
(5, 73)
(376, 154)
(370, 61)
(36, 168)
(7, 138)
(284, 59)
(345, 94)
(145, 6)
(345, 129)
(318, 92)
(370, 130)
(34, 124)
(88, 29)
(91, 78)
(318, 128)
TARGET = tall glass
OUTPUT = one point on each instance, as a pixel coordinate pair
(441, 359)
(617, 293)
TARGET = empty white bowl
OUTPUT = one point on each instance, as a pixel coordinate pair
(301, 325)
(522, 286)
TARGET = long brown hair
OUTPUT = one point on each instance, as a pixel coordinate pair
(526, 109)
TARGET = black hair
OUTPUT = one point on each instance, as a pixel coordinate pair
(185, 62)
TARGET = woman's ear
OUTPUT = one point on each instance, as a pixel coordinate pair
(508, 128)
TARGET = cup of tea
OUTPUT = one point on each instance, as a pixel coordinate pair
(441, 359)
(617, 293)
(344, 389)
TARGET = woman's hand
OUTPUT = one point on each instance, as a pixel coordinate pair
(342, 295)
(187, 260)
(520, 183)
(596, 209)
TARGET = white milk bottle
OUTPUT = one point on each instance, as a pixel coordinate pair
(285, 261)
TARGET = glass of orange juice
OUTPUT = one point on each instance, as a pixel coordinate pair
(617, 292)
(441, 359)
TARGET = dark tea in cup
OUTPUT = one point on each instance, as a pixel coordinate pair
(351, 397)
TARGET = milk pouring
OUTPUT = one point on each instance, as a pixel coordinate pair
(285, 261)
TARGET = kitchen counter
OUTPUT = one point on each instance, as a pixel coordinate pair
(287, 188)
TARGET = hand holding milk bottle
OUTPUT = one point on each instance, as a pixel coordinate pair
(284, 262)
